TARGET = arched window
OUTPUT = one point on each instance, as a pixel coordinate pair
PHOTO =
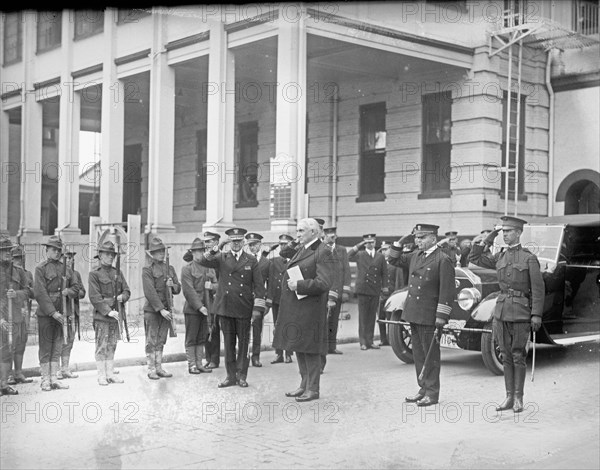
(583, 197)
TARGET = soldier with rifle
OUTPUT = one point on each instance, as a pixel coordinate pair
(53, 286)
(160, 282)
(196, 281)
(212, 347)
(108, 291)
(21, 328)
(72, 319)
(14, 292)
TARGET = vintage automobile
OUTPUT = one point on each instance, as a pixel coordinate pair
(568, 249)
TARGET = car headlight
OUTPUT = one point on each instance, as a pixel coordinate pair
(468, 298)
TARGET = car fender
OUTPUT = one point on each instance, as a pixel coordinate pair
(484, 311)
(396, 301)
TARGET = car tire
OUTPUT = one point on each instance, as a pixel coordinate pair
(490, 352)
(400, 339)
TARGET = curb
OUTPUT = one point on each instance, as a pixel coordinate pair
(141, 360)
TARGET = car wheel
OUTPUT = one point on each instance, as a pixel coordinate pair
(490, 352)
(400, 339)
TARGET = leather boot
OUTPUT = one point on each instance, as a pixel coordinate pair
(19, 377)
(112, 379)
(45, 372)
(101, 367)
(159, 370)
(152, 366)
(190, 354)
(509, 384)
(65, 371)
(519, 385)
(54, 382)
(199, 353)
(4, 387)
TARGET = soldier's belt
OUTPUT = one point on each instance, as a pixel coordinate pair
(515, 293)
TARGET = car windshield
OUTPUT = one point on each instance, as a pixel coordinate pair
(544, 241)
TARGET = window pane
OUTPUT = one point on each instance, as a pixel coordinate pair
(437, 136)
(88, 22)
(373, 141)
(12, 37)
(201, 171)
(248, 162)
(49, 27)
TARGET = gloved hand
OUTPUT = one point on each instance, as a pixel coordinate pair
(170, 282)
(439, 323)
(3, 324)
(330, 303)
(345, 297)
(536, 323)
(489, 240)
(113, 314)
(204, 311)
(166, 314)
(58, 317)
(11, 293)
(256, 315)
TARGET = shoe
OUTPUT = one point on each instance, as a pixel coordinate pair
(193, 369)
(67, 374)
(212, 365)
(426, 401)
(296, 393)
(58, 386)
(414, 398)
(384, 343)
(256, 363)
(227, 383)
(507, 404)
(204, 370)
(308, 396)
(11, 380)
(8, 391)
(163, 373)
(115, 380)
(21, 379)
(363, 348)
(373, 346)
(153, 375)
(335, 351)
(45, 386)
(277, 359)
(103, 381)
(288, 359)
(518, 405)
(242, 383)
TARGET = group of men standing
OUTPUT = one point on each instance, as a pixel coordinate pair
(230, 291)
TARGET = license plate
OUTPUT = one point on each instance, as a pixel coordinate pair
(448, 341)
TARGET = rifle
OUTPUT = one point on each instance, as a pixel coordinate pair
(533, 360)
(65, 304)
(119, 305)
(10, 313)
(210, 318)
(172, 328)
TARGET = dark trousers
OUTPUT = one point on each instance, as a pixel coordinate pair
(107, 336)
(196, 330)
(275, 310)
(157, 329)
(310, 370)
(332, 326)
(236, 330)
(257, 328)
(50, 339)
(421, 336)
(212, 348)
(367, 311)
(383, 327)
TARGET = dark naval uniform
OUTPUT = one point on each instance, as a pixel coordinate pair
(276, 269)
(15, 279)
(241, 291)
(343, 279)
(521, 298)
(47, 289)
(431, 296)
(154, 282)
(101, 284)
(371, 282)
(257, 325)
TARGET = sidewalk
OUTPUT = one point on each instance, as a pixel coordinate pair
(132, 353)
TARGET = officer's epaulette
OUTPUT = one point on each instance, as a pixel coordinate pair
(526, 250)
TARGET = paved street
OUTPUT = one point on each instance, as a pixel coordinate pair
(359, 422)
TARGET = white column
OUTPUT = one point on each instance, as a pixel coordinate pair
(112, 128)
(220, 131)
(68, 140)
(31, 141)
(6, 170)
(161, 158)
(290, 151)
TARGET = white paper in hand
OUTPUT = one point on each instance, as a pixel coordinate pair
(295, 274)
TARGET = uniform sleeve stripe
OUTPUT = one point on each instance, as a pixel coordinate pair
(259, 303)
(333, 294)
(444, 309)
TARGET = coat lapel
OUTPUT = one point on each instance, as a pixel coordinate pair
(304, 253)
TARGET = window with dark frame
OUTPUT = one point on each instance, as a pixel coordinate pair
(513, 143)
(13, 38)
(248, 164)
(49, 29)
(372, 146)
(437, 132)
(201, 161)
(130, 15)
(88, 23)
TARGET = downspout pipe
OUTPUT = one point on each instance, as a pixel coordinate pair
(334, 158)
(550, 136)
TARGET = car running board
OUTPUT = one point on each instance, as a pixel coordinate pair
(566, 341)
